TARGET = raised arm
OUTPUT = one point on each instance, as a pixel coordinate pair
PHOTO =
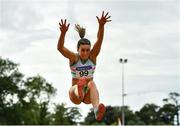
(63, 50)
(97, 46)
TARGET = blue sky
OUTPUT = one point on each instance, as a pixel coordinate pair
(146, 32)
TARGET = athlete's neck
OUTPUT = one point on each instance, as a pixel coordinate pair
(83, 60)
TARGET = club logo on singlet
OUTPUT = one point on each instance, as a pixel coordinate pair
(83, 70)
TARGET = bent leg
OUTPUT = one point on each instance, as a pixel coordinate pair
(99, 109)
(94, 94)
(87, 99)
(73, 95)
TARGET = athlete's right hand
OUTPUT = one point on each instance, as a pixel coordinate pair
(63, 26)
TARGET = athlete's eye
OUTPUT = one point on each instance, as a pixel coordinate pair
(87, 50)
(83, 50)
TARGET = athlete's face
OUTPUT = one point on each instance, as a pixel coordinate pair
(84, 51)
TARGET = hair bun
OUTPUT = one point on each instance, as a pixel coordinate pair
(80, 30)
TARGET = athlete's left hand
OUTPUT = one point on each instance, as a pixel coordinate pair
(104, 18)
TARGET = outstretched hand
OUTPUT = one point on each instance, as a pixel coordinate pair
(63, 26)
(104, 18)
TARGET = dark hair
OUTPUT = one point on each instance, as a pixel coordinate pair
(81, 31)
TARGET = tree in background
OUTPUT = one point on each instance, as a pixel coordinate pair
(152, 114)
(131, 118)
(174, 98)
(26, 101)
(10, 79)
(112, 115)
(149, 114)
(23, 101)
(166, 114)
(73, 115)
(90, 119)
(65, 116)
(38, 96)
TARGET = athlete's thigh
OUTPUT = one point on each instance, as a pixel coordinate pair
(91, 86)
(87, 97)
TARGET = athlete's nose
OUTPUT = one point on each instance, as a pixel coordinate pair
(86, 53)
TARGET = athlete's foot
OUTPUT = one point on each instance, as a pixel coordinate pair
(99, 113)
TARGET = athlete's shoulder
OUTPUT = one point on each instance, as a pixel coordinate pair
(92, 58)
(75, 60)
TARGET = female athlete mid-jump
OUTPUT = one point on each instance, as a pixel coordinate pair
(83, 64)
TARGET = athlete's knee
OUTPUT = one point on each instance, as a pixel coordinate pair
(75, 101)
(74, 98)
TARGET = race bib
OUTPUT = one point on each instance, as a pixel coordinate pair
(84, 71)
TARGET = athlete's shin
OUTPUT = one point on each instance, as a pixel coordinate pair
(94, 94)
